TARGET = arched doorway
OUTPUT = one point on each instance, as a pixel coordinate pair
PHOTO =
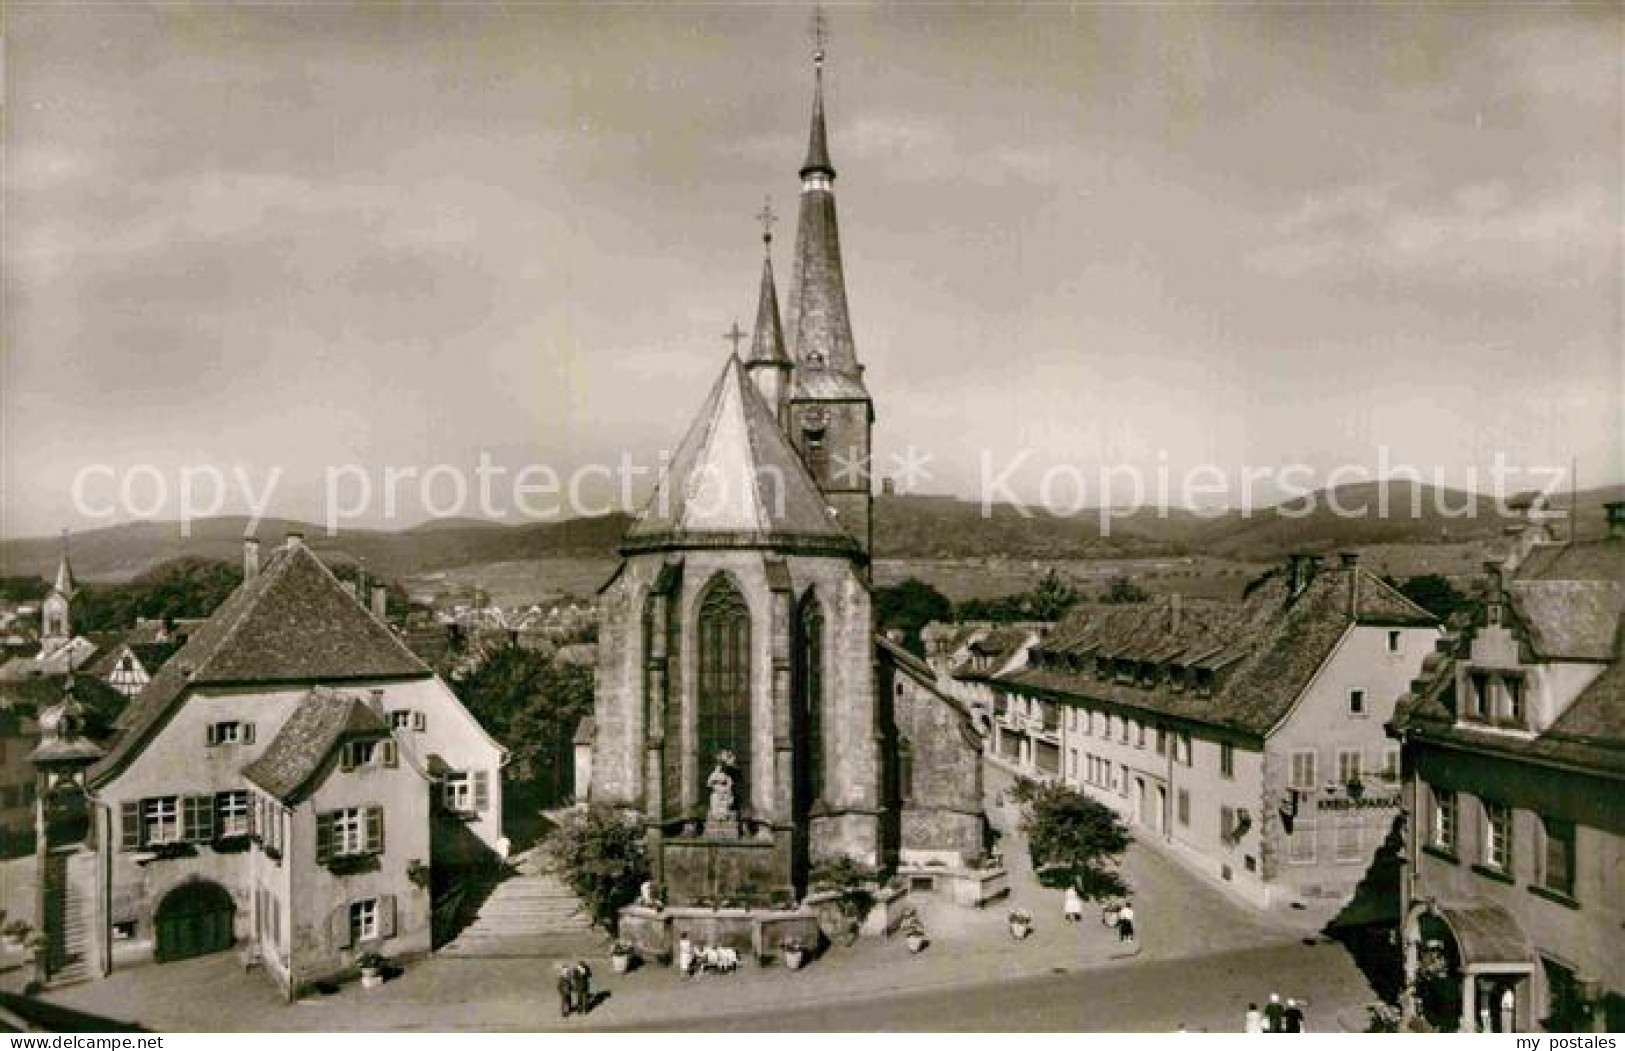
(194, 919)
(1469, 967)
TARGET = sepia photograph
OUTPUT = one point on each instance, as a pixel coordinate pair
(720, 518)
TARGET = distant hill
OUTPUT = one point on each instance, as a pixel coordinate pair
(906, 527)
(119, 553)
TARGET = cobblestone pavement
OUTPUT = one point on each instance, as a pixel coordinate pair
(1180, 918)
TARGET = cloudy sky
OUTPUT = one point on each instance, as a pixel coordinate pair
(299, 237)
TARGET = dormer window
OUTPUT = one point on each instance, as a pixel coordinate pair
(360, 755)
(228, 732)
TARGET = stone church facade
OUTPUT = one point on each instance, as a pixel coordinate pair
(745, 706)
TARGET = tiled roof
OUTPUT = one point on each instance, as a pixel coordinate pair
(734, 476)
(293, 623)
(1573, 620)
(1486, 934)
(323, 719)
(1268, 647)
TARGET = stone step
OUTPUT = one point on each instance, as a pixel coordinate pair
(520, 946)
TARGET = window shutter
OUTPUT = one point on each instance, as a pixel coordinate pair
(386, 915)
(341, 926)
(248, 733)
(129, 813)
(324, 843)
(346, 758)
(482, 790)
(390, 758)
(375, 830)
(1227, 822)
(211, 735)
(419, 721)
(253, 816)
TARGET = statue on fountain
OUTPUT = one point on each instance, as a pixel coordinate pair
(722, 819)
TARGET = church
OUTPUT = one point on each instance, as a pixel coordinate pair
(746, 708)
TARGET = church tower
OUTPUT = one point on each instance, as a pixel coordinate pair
(830, 415)
(56, 625)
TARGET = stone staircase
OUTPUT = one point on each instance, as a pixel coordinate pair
(70, 886)
(530, 913)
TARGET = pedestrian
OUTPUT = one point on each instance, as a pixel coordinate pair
(685, 955)
(566, 989)
(1073, 909)
(1255, 1021)
(1274, 1015)
(583, 986)
(1125, 922)
(1292, 1017)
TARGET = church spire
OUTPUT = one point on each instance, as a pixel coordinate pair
(817, 161)
(820, 330)
(64, 570)
(768, 364)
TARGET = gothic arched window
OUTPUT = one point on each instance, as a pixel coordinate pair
(724, 680)
(809, 681)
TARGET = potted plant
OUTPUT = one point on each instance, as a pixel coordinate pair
(620, 957)
(795, 953)
(16, 932)
(1021, 923)
(372, 970)
(914, 933)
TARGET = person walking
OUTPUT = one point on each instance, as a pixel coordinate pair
(1274, 1015)
(1255, 1021)
(1125, 922)
(566, 989)
(1073, 908)
(1292, 1017)
(582, 981)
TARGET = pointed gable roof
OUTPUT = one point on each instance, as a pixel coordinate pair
(735, 481)
(292, 623)
(323, 719)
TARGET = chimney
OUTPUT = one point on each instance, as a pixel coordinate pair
(1616, 519)
(293, 541)
(1351, 562)
(380, 601)
(251, 557)
(1496, 594)
(1175, 608)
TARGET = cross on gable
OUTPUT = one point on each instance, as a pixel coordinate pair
(735, 335)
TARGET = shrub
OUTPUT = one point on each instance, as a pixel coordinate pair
(604, 860)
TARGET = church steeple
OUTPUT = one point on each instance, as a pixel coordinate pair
(830, 415)
(56, 626)
(768, 364)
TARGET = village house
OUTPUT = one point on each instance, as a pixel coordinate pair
(1514, 751)
(285, 784)
(1245, 737)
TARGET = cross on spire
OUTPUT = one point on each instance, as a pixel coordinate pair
(735, 335)
(820, 35)
(767, 218)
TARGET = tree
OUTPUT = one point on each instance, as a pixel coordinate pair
(182, 587)
(604, 859)
(1123, 591)
(1435, 594)
(910, 606)
(1074, 840)
(532, 706)
(1048, 600)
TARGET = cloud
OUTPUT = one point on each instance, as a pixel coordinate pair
(1484, 231)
